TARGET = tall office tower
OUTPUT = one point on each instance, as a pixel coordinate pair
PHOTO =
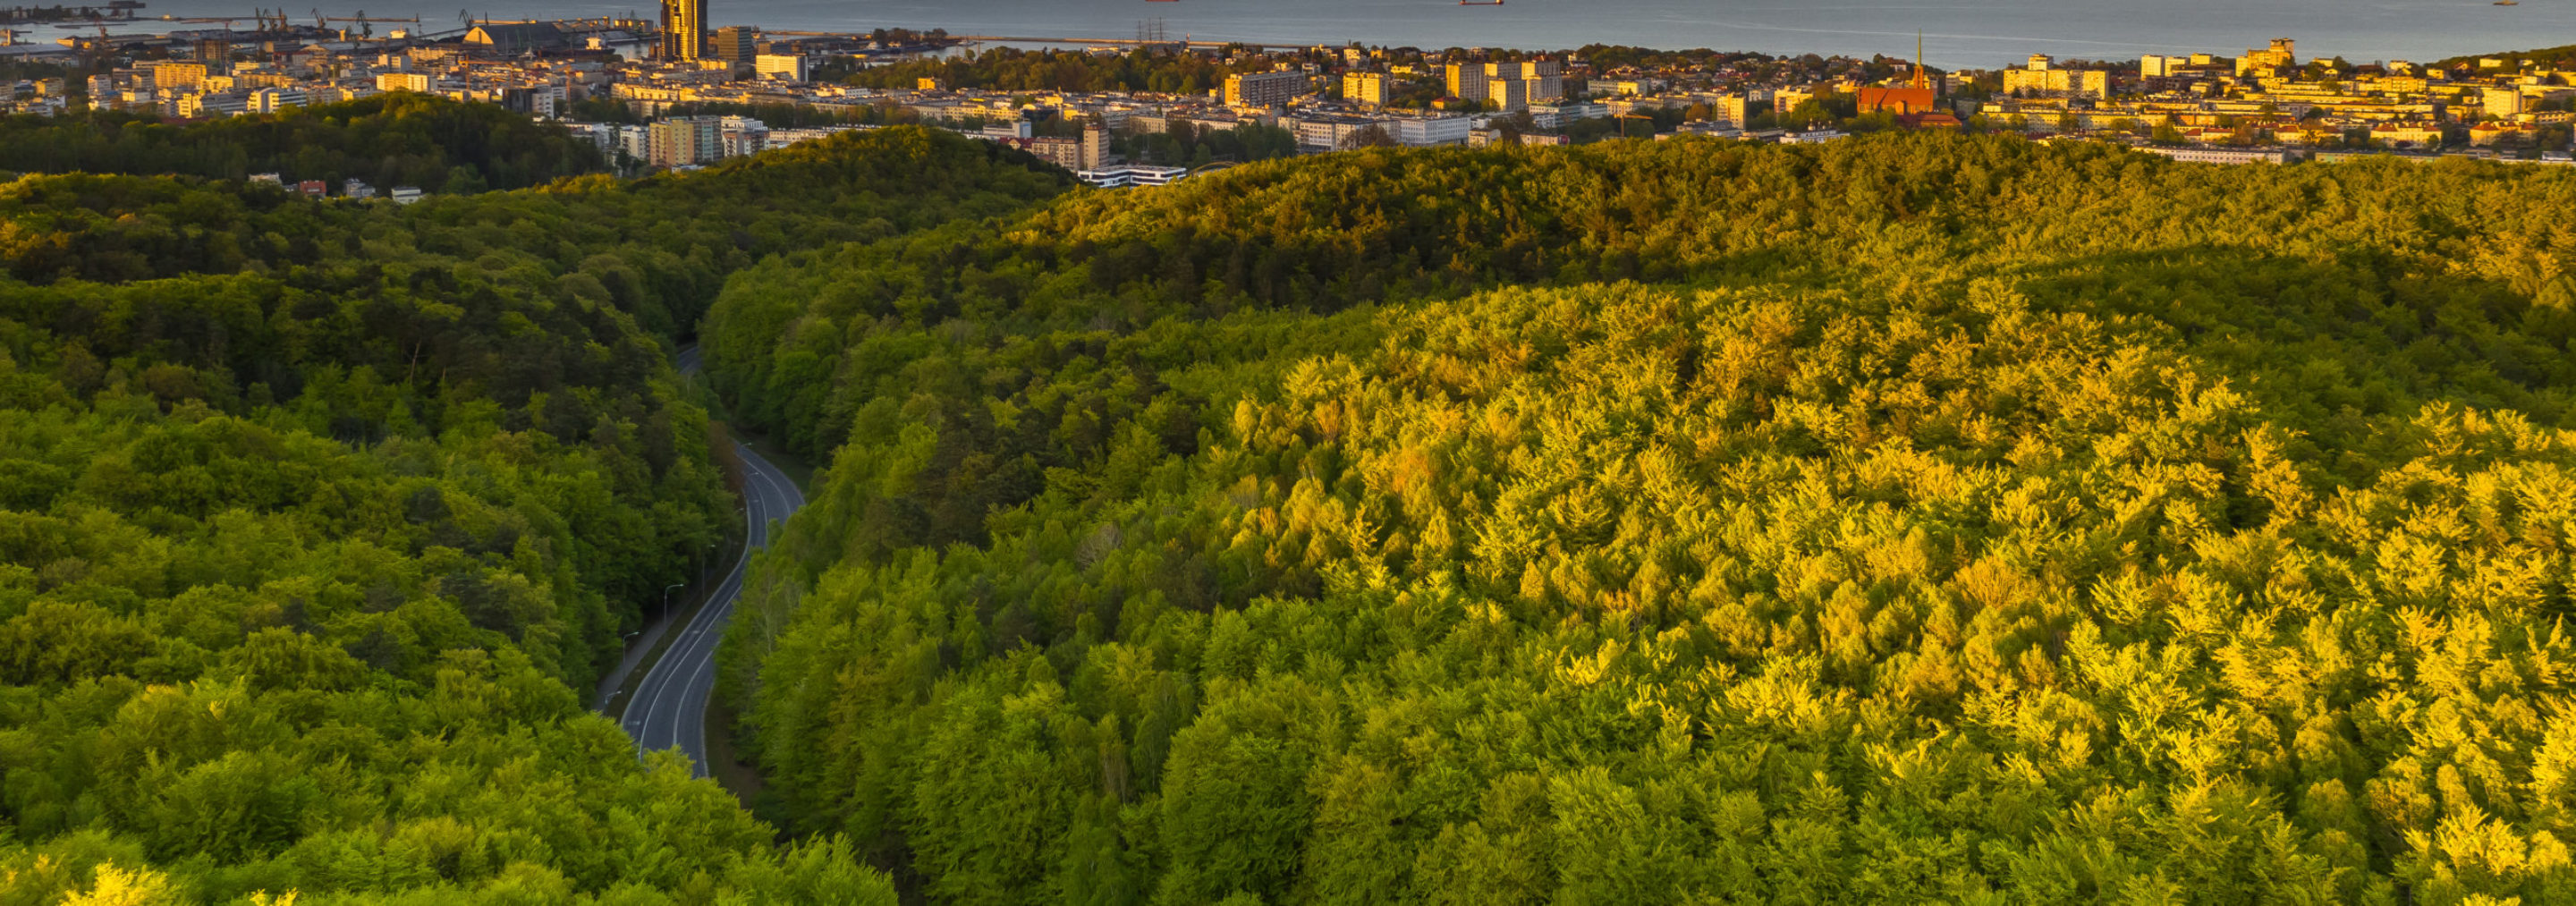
(684, 29)
(736, 44)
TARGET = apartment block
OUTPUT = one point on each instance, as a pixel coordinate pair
(1507, 86)
(682, 141)
(1263, 89)
(178, 76)
(1364, 88)
(2042, 78)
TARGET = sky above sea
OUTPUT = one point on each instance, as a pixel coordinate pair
(1955, 34)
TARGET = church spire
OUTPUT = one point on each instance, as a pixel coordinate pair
(1921, 79)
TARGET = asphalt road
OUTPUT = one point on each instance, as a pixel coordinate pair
(669, 710)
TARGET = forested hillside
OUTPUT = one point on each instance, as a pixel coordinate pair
(1902, 519)
(318, 522)
(387, 140)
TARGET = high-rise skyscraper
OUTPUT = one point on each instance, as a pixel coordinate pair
(684, 29)
(736, 44)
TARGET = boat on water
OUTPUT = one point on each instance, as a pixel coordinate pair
(1480, 2)
(2508, 2)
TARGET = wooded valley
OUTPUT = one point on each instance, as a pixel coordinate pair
(1907, 518)
(1910, 518)
(319, 520)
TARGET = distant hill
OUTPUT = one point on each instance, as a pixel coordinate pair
(2563, 55)
(391, 139)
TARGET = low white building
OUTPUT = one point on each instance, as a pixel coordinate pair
(2228, 155)
(1425, 131)
(272, 100)
(780, 138)
(1555, 116)
(1332, 132)
(780, 67)
(1126, 175)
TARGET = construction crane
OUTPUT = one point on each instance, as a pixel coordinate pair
(1634, 115)
(363, 17)
(471, 20)
(268, 22)
(366, 23)
(95, 53)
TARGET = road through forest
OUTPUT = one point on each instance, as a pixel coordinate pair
(669, 710)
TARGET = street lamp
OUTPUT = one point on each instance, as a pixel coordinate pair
(666, 600)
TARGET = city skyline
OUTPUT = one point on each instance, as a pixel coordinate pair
(1955, 36)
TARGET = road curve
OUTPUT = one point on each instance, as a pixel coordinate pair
(669, 710)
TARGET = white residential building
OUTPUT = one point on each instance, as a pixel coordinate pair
(1126, 175)
(1424, 131)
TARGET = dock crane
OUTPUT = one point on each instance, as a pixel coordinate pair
(96, 52)
(366, 23)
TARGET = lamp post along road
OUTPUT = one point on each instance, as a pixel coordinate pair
(669, 708)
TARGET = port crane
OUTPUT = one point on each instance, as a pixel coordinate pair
(366, 23)
(363, 17)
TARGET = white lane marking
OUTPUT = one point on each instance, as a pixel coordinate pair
(657, 681)
(689, 695)
(695, 643)
(686, 646)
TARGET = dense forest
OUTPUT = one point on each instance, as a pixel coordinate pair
(392, 139)
(1908, 518)
(318, 523)
(1014, 69)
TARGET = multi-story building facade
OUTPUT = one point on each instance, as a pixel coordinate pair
(1320, 132)
(684, 29)
(1364, 88)
(2042, 78)
(1088, 152)
(2283, 54)
(740, 136)
(1507, 86)
(1263, 89)
(272, 100)
(1541, 80)
(683, 141)
(1425, 131)
(169, 76)
(781, 67)
(736, 44)
(216, 54)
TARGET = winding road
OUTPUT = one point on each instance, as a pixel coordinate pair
(669, 710)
